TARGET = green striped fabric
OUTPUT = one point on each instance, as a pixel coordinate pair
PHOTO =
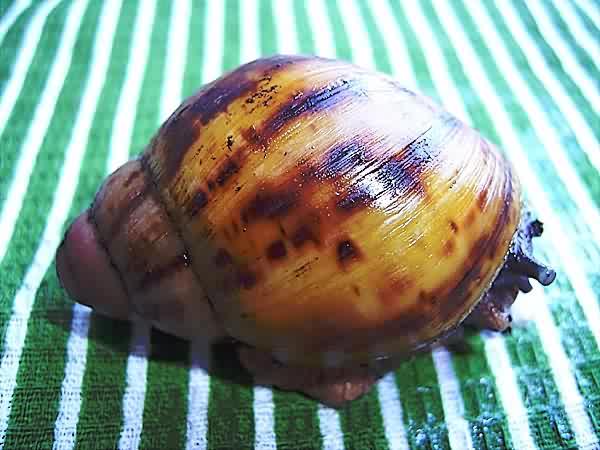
(85, 84)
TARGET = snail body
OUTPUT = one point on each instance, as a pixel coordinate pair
(321, 215)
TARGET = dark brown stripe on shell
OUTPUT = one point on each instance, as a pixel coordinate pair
(474, 261)
(183, 127)
(199, 201)
(322, 98)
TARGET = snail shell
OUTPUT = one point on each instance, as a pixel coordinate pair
(308, 208)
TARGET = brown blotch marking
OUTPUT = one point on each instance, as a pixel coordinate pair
(397, 284)
(470, 219)
(235, 227)
(356, 290)
(199, 201)
(304, 234)
(482, 199)
(211, 185)
(154, 276)
(276, 250)
(230, 142)
(183, 126)
(453, 226)
(223, 258)
(247, 279)
(448, 247)
(269, 204)
(347, 252)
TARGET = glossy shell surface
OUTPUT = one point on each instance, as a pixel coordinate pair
(331, 216)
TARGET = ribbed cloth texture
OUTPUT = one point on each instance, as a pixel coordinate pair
(85, 84)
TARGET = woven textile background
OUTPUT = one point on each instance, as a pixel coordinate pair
(84, 85)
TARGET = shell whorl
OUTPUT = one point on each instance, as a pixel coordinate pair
(331, 215)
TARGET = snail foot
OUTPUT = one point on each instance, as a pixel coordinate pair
(332, 386)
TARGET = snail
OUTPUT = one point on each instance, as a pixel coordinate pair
(324, 218)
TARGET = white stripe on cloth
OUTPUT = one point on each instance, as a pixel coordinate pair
(580, 127)
(264, 419)
(11, 16)
(581, 36)
(562, 369)
(16, 331)
(492, 102)
(65, 426)
(397, 52)
(508, 389)
(546, 133)
(249, 45)
(41, 118)
(391, 413)
(198, 398)
(214, 37)
(123, 122)
(135, 387)
(590, 9)
(176, 55)
(331, 428)
(285, 23)
(176, 58)
(320, 29)
(459, 434)
(512, 145)
(362, 52)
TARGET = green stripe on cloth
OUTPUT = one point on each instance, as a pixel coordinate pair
(342, 45)
(266, 25)
(296, 421)
(306, 42)
(421, 403)
(362, 423)
(230, 412)
(483, 409)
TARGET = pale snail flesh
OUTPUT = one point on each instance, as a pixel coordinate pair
(318, 214)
